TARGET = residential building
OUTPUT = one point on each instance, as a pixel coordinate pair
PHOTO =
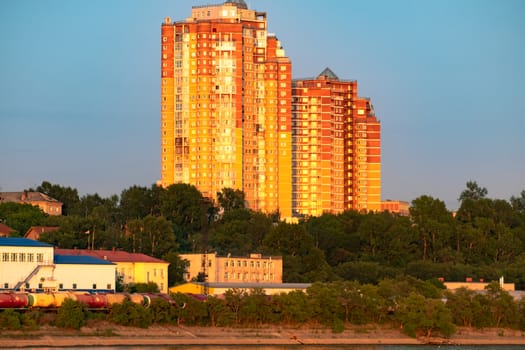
(131, 267)
(397, 207)
(231, 117)
(33, 265)
(254, 268)
(336, 147)
(34, 232)
(48, 205)
(226, 106)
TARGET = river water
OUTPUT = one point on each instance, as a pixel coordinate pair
(295, 347)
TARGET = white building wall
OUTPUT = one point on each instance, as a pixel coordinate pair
(18, 262)
(80, 276)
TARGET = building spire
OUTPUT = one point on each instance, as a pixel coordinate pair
(328, 73)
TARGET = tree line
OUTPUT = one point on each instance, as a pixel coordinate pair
(417, 308)
(484, 239)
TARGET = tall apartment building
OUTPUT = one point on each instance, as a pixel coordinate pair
(227, 119)
(336, 147)
(226, 106)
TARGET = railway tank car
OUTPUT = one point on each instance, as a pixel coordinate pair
(14, 300)
(96, 301)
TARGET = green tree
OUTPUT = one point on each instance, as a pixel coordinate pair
(434, 224)
(128, 313)
(293, 307)
(427, 317)
(463, 306)
(67, 195)
(230, 199)
(10, 320)
(71, 314)
(503, 309)
(188, 211)
(152, 236)
(256, 308)
(137, 202)
(21, 217)
(302, 261)
(162, 311)
(234, 299)
(219, 313)
(324, 303)
(518, 203)
(190, 311)
(473, 191)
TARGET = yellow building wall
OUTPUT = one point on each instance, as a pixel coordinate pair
(144, 272)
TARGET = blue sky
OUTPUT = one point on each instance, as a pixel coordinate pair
(79, 87)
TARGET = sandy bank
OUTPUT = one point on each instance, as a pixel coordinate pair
(111, 335)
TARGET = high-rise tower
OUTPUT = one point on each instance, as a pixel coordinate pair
(336, 147)
(226, 106)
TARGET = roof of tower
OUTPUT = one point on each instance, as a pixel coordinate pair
(239, 3)
(327, 72)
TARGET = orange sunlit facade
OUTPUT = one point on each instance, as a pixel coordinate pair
(226, 106)
(230, 118)
(336, 148)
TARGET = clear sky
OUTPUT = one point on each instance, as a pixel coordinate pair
(80, 87)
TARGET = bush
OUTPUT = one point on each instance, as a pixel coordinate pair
(71, 315)
(10, 320)
(130, 314)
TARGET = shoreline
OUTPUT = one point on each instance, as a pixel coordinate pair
(110, 335)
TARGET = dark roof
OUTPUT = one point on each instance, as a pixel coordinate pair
(26, 197)
(110, 255)
(6, 229)
(327, 72)
(80, 259)
(21, 242)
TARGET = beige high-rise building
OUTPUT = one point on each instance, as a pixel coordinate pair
(226, 106)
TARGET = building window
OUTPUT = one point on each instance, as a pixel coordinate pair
(5, 256)
(22, 257)
(60, 286)
(74, 286)
(6, 285)
(108, 286)
(27, 285)
(40, 286)
(30, 257)
(13, 257)
(39, 257)
(94, 286)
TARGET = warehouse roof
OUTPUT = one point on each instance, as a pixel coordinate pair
(21, 242)
(80, 259)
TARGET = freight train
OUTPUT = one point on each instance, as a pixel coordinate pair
(54, 300)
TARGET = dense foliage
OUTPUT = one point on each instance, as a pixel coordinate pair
(484, 239)
(416, 307)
